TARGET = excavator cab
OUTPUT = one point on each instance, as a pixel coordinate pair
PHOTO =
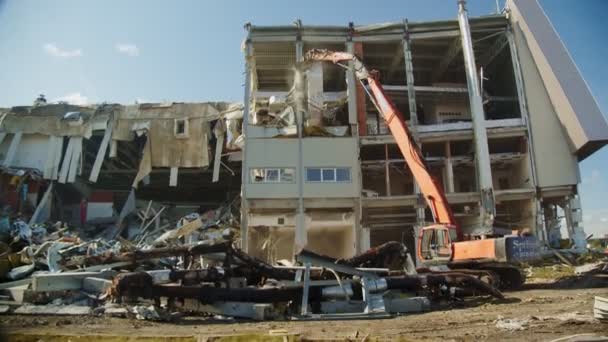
(435, 244)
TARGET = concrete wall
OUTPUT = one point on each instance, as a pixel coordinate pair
(574, 104)
(556, 162)
(317, 152)
(31, 153)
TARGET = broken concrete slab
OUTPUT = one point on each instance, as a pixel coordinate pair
(68, 310)
(4, 309)
(64, 281)
(116, 312)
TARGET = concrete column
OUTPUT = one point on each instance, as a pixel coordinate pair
(361, 238)
(411, 95)
(301, 234)
(245, 169)
(449, 169)
(487, 210)
(523, 102)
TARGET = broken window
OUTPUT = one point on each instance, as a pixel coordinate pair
(272, 175)
(288, 175)
(180, 128)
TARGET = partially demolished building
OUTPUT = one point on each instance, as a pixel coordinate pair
(312, 162)
(298, 203)
(57, 155)
(321, 169)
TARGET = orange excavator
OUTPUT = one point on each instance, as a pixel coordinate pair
(441, 243)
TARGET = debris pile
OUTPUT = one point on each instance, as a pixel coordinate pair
(148, 266)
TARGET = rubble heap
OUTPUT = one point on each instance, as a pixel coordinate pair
(149, 266)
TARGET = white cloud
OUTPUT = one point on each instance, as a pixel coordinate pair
(595, 221)
(55, 51)
(595, 178)
(130, 50)
(73, 98)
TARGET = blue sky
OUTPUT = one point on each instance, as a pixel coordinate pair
(121, 51)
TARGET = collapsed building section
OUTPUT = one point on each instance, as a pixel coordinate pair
(95, 163)
(322, 170)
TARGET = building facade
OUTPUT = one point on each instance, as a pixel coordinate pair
(320, 168)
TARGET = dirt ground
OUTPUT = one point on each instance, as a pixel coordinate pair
(541, 311)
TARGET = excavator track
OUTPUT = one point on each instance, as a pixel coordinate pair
(505, 276)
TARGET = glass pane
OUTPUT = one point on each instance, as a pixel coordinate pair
(343, 174)
(257, 175)
(329, 175)
(313, 175)
(272, 175)
(287, 175)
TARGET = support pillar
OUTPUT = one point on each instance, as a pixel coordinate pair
(449, 169)
(245, 170)
(361, 107)
(301, 234)
(487, 209)
(413, 125)
(353, 91)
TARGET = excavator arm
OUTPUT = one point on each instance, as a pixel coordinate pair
(433, 194)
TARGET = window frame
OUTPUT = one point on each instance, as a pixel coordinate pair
(279, 171)
(335, 174)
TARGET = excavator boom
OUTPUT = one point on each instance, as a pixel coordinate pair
(431, 191)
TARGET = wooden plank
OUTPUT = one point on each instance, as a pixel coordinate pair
(101, 153)
(12, 150)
